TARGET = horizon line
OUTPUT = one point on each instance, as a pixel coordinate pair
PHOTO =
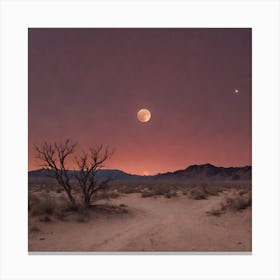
(158, 172)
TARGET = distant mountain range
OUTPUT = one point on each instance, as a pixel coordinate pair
(193, 172)
(209, 171)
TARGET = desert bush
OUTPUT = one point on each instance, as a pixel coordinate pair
(212, 190)
(106, 195)
(161, 189)
(60, 214)
(238, 202)
(130, 188)
(65, 206)
(111, 209)
(235, 203)
(164, 190)
(170, 194)
(198, 193)
(114, 194)
(32, 200)
(147, 194)
(45, 205)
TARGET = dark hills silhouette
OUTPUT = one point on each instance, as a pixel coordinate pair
(209, 171)
(193, 172)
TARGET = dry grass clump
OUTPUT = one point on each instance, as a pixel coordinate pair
(110, 209)
(162, 189)
(239, 202)
(170, 194)
(63, 210)
(234, 203)
(159, 190)
(198, 193)
(203, 191)
(147, 194)
(212, 189)
(130, 188)
(46, 206)
(41, 206)
(107, 195)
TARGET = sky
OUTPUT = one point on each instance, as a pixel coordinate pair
(88, 85)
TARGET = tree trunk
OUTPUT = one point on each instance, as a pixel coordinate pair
(72, 200)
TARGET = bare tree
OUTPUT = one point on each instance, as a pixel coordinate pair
(54, 157)
(88, 165)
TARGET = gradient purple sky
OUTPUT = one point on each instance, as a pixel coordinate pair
(88, 84)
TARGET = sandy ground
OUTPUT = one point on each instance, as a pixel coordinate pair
(151, 224)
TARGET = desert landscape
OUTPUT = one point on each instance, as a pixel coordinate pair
(157, 214)
(139, 140)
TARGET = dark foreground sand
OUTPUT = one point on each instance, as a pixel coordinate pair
(151, 224)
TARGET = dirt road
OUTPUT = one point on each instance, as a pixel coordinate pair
(152, 224)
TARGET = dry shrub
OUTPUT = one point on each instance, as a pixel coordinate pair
(64, 208)
(110, 209)
(60, 214)
(198, 193)
(43, 206)
(162, 189)
(114, 194)
(147, 194)
(235, 203)
(212, 190)
(130, 188)
(171, 194)
(106, 195)
(203, 191)
(165, 190)
(32, 200)
(239, 202)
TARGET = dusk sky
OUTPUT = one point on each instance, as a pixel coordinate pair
(88, 85)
